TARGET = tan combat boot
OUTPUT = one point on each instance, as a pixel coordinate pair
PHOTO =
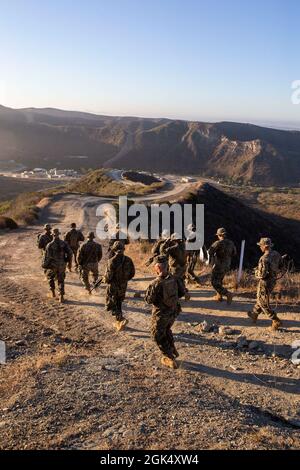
(253, 316)
(123, 323)
(229, 297)
(168, 362)
(120, 324)
(51, 294)
(218, 298)
(276, 324)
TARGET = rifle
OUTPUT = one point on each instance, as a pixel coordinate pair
(149, 261)
(287, 266)
(97, 283)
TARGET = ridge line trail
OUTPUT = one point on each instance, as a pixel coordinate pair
(221, 371)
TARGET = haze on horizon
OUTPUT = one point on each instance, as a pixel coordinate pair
(194, 60)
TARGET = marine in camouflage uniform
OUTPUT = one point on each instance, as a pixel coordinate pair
(89, 257)
(192, 257)
(174, 249)
(117, 236)
(269, 265)
(73, 237)
(164, 294)
(119, 270)
(45, 238)
(221, 253)
(157, 247)
(57, 255)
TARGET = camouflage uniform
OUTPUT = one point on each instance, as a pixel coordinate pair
(155, 250)
(89, 256)
(57, 255)
(164, 293)
(119, 270)
(221, 252)
(73, 237)
(43, 241)
(191, 260)
(175, 250)
(266, 273)
(114, 238)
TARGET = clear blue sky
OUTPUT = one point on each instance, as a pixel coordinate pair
(190, 59)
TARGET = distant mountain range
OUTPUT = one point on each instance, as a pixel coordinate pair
(241, 152)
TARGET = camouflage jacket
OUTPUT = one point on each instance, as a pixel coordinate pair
(268, 266)
(155, 251)
(221, 253)
(119, 269)
(89, 252)
(43, 240)
(164, 294)
(57, 252)
(156, 247)
(176, 251)
(116, 237)
(73, 237)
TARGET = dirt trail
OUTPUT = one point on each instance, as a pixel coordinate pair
(72, 382)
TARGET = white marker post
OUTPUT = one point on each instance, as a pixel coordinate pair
(2, 353)
(240, 271)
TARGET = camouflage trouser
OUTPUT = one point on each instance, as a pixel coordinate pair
(191, 264)
(264, 290)
(179, 271)
(217, 278)
(115, 296)
(85, 272)
(162, 334)
(57, 273)
(74, 251)
(42, 254)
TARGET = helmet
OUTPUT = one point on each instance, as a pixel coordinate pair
(221, 232)
(265, 242)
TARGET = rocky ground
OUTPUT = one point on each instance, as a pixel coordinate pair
(72, 382)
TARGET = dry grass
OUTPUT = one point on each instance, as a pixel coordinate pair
(99, 183)
(265, 438)
(57, 359)
(287, 288)
(24, 208)
(15, 374)
(278, 201)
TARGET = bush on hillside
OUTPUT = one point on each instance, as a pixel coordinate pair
(7, 223)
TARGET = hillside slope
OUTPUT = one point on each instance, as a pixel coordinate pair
(245, 223)
(241, 152)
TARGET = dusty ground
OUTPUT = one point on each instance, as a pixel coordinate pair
(72, 382)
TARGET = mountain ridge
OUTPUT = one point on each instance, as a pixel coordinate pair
(235, 151)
